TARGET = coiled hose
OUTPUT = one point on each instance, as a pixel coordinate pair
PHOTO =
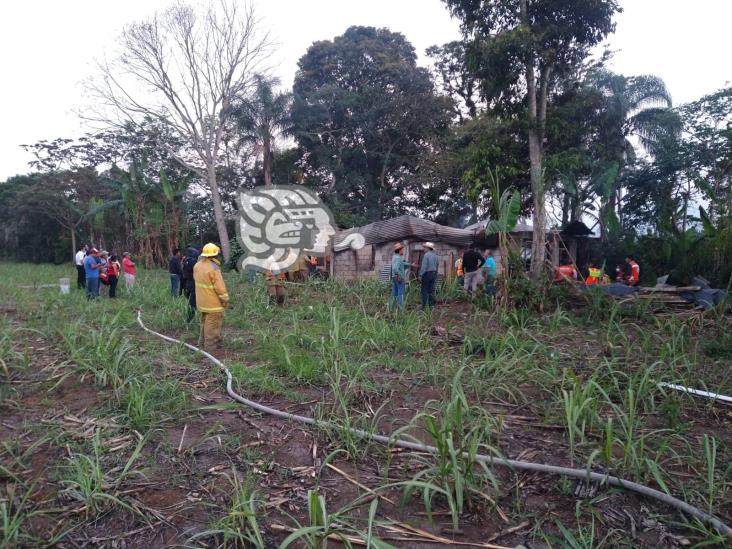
(581, 474)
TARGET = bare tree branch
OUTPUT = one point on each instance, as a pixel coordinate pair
(185, 67)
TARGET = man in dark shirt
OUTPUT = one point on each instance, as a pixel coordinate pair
(176, 273)
(472, 262)
(189, 285)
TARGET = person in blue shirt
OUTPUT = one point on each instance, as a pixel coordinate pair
(399, 267)
(489, 273)
(92, 268)
(428, 275)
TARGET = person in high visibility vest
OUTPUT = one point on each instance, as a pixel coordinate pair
(565, 272)
(594, 276)
(459, 272)
(211, 296)
(634, 276)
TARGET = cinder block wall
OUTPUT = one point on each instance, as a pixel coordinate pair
(370, 260)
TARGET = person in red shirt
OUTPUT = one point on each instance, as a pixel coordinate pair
(634, 276)
(565, 272)
(128, 266)
(113, 270)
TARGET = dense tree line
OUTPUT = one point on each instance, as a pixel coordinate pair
(377, 135)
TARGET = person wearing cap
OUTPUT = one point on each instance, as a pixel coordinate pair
(428, 275)
(399, 267)
(211, 296)
(92, 268)
(130, 270)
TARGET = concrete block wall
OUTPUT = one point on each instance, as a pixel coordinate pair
(346, 267)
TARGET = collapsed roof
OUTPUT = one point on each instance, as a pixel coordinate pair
(408, 227)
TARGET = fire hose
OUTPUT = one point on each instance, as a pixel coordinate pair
(581, 474)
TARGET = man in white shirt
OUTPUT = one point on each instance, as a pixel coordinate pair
(79, 261)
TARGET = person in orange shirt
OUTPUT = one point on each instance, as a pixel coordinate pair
(634, 276)
(594, 276)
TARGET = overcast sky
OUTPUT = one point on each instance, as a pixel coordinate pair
(47, 48)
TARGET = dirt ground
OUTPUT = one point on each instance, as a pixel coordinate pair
(187, 466)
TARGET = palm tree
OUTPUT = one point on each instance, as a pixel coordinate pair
(635, 106)
(263, 117)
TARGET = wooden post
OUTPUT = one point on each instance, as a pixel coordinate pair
(555, 248)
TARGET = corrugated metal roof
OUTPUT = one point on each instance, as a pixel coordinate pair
(521, 227)
(408, 227)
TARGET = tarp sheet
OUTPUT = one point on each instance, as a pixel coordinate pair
(707, 298)
(617, 290)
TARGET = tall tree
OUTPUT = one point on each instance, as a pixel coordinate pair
(364, 114)
(519, 48)
(262, 117)
(635, 106)
(67, 197)
(455, 78)
(185, 68)
(708, 141)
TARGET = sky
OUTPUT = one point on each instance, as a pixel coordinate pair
(48, 47)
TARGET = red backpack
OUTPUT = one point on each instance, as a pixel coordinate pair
(104, 275)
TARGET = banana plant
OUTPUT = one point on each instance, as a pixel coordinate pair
(505, 210)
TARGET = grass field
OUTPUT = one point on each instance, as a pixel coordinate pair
(112, 437)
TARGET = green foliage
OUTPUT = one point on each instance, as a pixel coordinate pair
(323, 525)
(459, 431)
(525, 293)
(719, 346)
(364, 113)
(87, 481)
(506, 213)
(146, 405)
(240, 526)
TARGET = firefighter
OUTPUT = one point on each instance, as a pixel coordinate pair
(211, 296)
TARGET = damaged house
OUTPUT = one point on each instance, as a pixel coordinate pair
(374, 258)
(348, 262)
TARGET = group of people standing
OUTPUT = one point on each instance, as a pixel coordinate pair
(473, 270)
(627, 273)
(182, 283)
(97, 269)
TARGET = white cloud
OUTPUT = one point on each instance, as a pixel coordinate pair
(47, 48)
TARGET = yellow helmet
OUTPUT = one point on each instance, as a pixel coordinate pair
(210, 250)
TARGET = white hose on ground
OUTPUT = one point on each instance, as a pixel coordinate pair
(581, 474)
(698, 392)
